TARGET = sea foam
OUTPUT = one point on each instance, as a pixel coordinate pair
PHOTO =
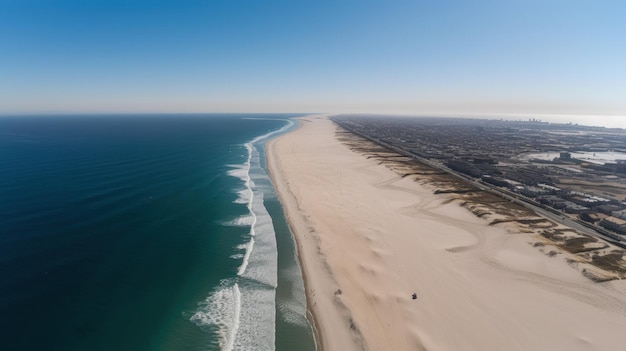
(221, 309)
(243, 308)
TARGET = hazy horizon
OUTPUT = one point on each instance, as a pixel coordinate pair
(530, 58)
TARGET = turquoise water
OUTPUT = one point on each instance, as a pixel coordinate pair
(151, 232)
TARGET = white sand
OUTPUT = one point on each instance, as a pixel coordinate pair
(379, 238)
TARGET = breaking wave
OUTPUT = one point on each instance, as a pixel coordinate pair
(243, 308)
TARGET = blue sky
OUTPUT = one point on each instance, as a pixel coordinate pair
(454, 57)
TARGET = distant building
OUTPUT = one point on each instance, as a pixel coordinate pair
(588, 200)
(615, 224)
(619, 214)
(532, 191)
(513, 185)
(592, 217)
(612, 210)
(571, 207)
(619, 167)
(494, 180)
(565, 156)
(553, 201)
(551, 189)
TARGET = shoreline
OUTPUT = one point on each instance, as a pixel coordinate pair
(367, 237)
(275, 176)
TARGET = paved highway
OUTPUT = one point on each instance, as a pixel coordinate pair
(551, 214)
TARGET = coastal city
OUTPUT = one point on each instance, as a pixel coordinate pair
(576, 172)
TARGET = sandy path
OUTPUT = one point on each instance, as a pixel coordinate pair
(368, 239)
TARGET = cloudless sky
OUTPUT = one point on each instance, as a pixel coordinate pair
(449, 56)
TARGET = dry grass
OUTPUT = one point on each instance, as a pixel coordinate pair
(577, 248)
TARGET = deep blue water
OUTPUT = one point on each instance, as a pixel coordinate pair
(144, 232)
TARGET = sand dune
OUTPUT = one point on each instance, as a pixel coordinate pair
(368, 239)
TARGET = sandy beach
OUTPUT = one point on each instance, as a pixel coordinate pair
(369, 238)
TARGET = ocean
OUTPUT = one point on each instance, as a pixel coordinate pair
(145, 232)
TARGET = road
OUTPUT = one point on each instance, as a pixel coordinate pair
(551, 214)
